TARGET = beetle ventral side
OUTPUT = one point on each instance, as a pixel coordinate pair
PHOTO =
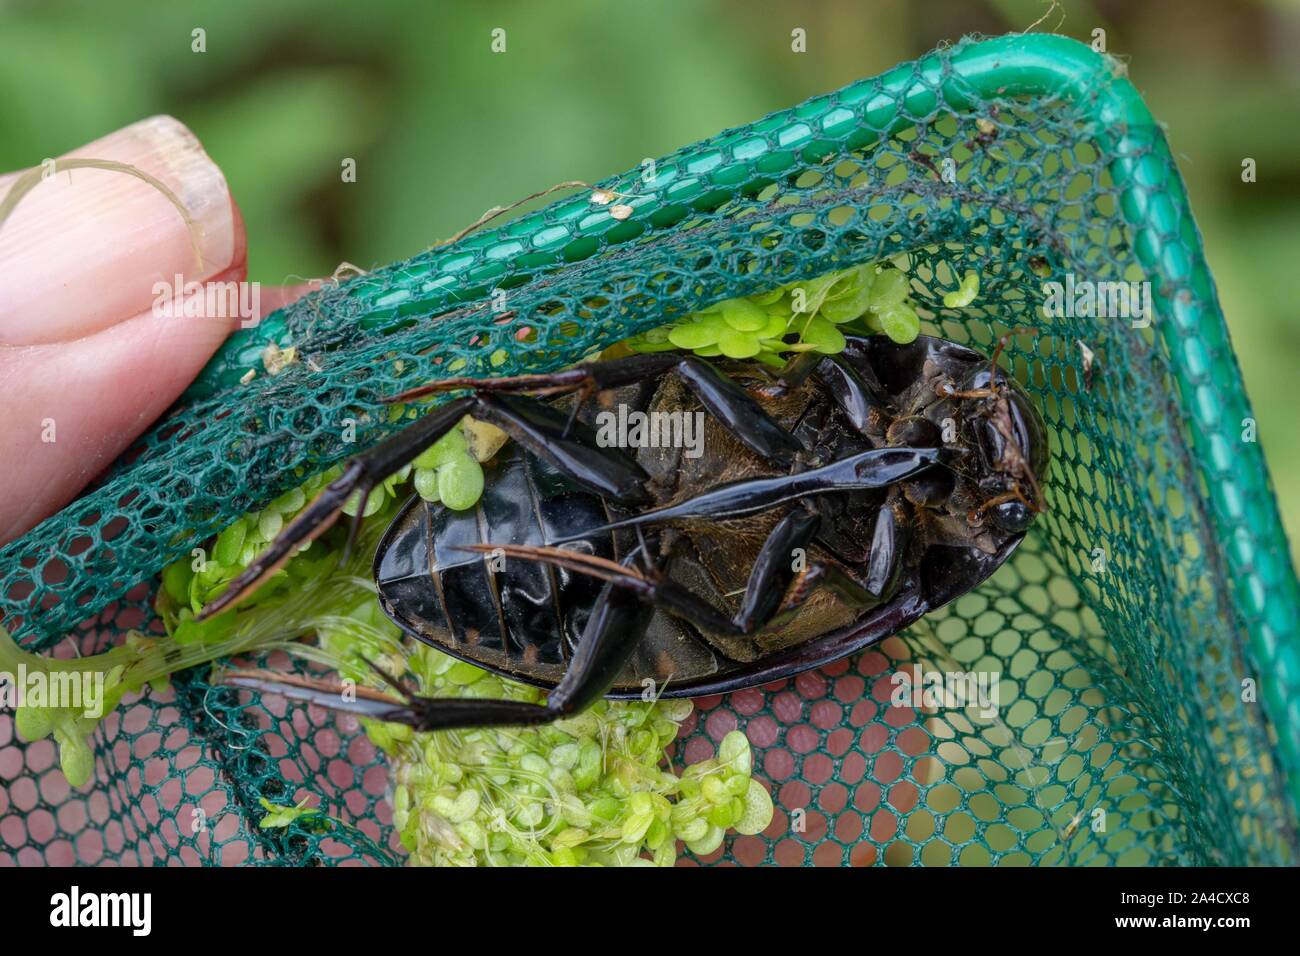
(833, 504)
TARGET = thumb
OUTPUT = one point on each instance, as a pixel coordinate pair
(90, 352)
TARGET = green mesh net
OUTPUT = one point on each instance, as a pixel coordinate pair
(1145, 633)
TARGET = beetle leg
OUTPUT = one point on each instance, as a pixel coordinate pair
(775, 568)
(875, 468)
(884, 569)
(857, 392)
(535, 425)
(774, 587)
(860, 398)
(728, 402)
(650, 590)
(361, 474)
(855, 389)
(791, 375)
(545, 431)
(617, 622)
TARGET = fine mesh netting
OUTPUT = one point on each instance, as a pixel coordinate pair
(1122, 631)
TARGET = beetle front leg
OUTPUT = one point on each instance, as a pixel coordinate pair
(538, 427)
(726, 401)
(361, 474)
(854, 390)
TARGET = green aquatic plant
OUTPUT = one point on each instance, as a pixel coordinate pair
(809, 315)
(594, 789)
(448, 472)
(965, 293)
(278, 816)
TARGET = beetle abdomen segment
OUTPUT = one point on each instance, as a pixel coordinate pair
(524, 591)
(522, 616)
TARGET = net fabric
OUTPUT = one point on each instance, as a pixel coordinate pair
(1121, 631)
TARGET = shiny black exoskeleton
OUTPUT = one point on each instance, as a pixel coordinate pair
(827, 508)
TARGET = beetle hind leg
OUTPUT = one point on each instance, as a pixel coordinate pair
(617, 623)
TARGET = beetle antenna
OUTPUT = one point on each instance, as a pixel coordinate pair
(1003, 341)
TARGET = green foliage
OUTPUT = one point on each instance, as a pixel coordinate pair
(280, 816)
(70, 722)
(965, 293)
(804, 316)
(589, 790)
(285, 91)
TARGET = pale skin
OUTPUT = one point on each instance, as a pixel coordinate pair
(89, 358)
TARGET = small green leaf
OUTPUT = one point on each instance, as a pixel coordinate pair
(758, 810)
(816, 290)
(823, 336)
(464, 673)
(965, 293)
(282, 816)
(889, 289)
(697, 333)
(856, 298)
(176, 580)
(776, 326)
(449, 446)
(769, 297)
(426, 483)
(373, 503)
(711, 840)
(901, 323)
(76, 759)
(210, 631)
(269, 524)
(34, 723)
(739, 345)
(290, 502)
(743, 315)
(460, 483)
(230, 543)
(734, 753)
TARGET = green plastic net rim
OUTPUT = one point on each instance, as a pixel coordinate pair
(1249, 555)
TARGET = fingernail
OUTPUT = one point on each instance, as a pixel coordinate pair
(85, 248)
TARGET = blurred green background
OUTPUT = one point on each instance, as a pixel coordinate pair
(442, 128)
